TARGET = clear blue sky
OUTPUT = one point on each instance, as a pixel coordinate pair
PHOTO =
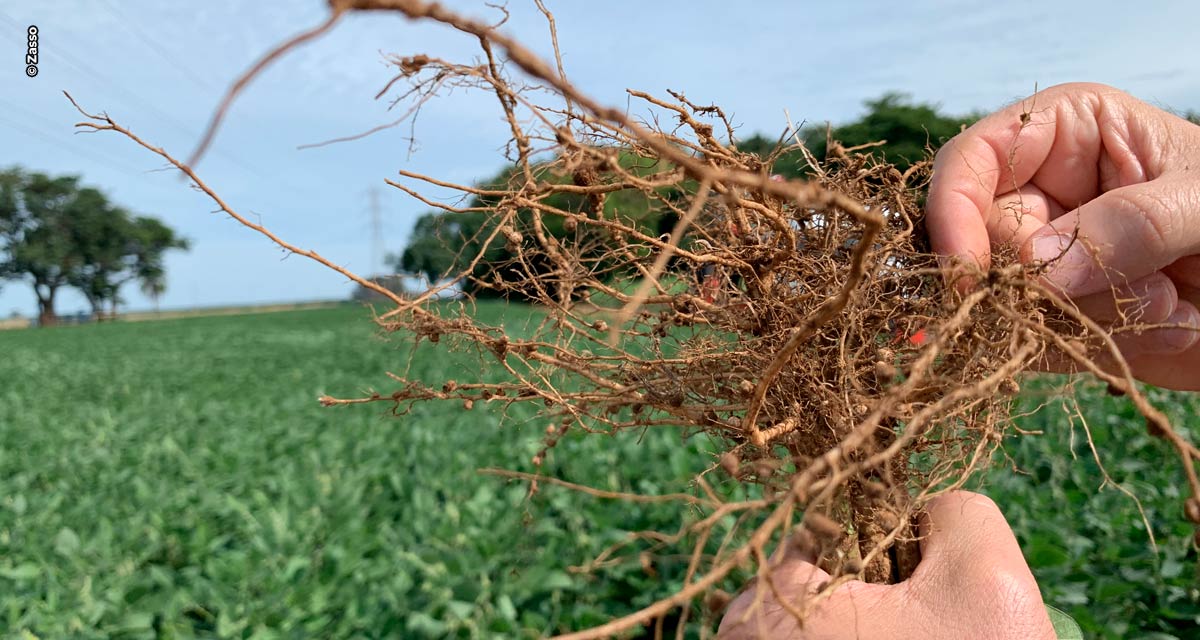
(161, 67)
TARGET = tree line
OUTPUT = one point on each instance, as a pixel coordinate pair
(56, 233)
(443, 243)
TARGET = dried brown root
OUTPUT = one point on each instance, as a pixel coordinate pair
(804, 326)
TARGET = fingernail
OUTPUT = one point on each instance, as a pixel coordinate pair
(956, 273)
(1069, 264)
(1156, 303)
(1183, 338)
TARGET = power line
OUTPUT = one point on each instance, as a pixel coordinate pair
(102, 79)
(131, 26)
(35, 125)
(83, 151)
(28, 113)
(107, 82)
(182, 128)
(38, 125)
(5, 17)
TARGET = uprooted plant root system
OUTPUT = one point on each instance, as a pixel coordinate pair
(804, 326)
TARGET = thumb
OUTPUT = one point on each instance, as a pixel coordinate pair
(959, 527)
(1120, 236)
(972, 575)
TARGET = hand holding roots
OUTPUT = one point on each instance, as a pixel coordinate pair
(803, 325)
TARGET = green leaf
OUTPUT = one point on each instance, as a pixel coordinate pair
(25, 571)
(135, 622)
(1042, 553)
(66, 543)
(1065, 627)
(504, 605)
(425, 624)
(459, 609)
(556, 580)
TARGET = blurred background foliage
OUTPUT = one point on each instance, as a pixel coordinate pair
(177, 479)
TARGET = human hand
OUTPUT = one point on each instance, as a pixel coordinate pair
(972, 582)
(1121, 177)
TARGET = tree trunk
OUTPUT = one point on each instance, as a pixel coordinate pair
(97, 307)
(46, 315)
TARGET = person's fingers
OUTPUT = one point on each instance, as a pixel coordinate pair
(1180, 332)
(1017, 215)
(1181, 371)
(958, 528)
(796, 578)
(971, 563)
(1150, 300)
(1185, 272)
(1188, 292)
(1051, 139)
(1164, 357)
(757, 611)
(1122, 235)
(968, 173)
(800, 544)
(1104, 138)
(959, 200)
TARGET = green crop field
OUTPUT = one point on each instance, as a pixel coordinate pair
(178, 479)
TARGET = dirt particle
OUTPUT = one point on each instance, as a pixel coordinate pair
(887, 519)
(763, 468)
(730, 463)
(874, 489)
(1191, 509)
(823, 527)
(716, 601)
(884, 372)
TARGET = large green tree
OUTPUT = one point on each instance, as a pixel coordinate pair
(903, 132)
(445, 244)
(36, 219)
(116, 248)
(57, 233)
